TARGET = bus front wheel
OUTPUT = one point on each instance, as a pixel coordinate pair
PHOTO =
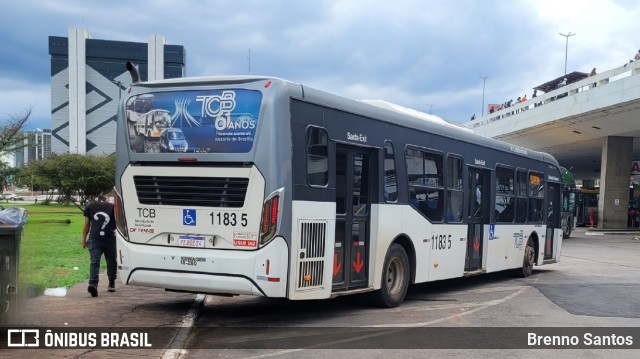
(395, 278)
(529, 260)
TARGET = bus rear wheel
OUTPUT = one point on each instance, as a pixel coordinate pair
(395, 278)
(529, 260)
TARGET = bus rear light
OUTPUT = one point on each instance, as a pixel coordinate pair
(264, 228)
(270, 213)
(121, 219)
(274, 210)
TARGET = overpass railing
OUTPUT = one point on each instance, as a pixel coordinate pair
(589, 83)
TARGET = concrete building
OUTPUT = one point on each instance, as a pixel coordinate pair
(37, 147)
(87, 80)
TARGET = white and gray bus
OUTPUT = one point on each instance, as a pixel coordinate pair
(288, 191)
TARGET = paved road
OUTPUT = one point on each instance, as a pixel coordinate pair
(597, 284)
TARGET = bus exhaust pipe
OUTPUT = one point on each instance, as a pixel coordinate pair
(135, 76)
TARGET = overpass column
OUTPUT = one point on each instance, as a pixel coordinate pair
(614, 182)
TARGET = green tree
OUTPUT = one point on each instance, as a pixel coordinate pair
(28, 177)
(6, 174)
(77, 178)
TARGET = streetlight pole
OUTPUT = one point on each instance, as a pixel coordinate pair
(249, 58)
(566, 49)
(430, 106)
(484, 79)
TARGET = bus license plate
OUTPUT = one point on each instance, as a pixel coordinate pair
(191, 241)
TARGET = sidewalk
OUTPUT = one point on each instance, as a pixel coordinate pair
(128, 307)
(621, 231)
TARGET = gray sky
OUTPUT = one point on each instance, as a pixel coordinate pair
(410, 52)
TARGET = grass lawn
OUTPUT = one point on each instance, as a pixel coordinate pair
(51, 248)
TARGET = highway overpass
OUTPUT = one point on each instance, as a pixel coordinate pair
(594, 131)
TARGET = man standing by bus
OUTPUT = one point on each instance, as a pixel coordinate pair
(99, 225)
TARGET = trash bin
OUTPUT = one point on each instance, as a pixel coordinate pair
(10, 235)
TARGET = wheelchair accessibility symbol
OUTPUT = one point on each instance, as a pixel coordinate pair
(189, 217)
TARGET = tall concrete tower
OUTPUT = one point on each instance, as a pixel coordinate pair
(87, 80)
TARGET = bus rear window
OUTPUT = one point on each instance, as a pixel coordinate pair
(205, 121)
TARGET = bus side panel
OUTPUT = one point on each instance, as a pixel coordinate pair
(448, 245)
(439, 248)
(557, 246)
(510, 241)
(312, 247)
(418, 229)
(386, 224)
(506, 246)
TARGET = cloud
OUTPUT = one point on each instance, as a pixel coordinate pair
(415, 53)
(16, 97)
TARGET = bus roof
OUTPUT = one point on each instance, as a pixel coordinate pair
(392, 113)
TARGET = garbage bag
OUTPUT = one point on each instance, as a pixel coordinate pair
(13, 215)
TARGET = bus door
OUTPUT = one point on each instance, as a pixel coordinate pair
(479, 215)
(353, 174)
(553, 217)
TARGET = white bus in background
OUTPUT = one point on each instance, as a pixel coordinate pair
(151, 124)
(296, 193)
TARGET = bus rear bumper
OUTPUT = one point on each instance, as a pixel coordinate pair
(260, 272)
(194, 282)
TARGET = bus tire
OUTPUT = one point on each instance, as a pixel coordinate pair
(395, 278)
(529, 260)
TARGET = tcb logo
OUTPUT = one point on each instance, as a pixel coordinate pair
(214, 105)
(23, 338)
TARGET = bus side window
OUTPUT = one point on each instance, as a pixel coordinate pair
(390, 182)
(505, 188)
(536, 198)
(522, 185)
(424, 171)
(455, 197)
(341, 182)
(317, 157)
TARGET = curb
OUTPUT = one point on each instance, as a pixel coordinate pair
(188, 321)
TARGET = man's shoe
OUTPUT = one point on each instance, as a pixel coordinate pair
(112, 286)
(93, 290)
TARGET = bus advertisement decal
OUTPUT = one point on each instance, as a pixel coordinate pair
(201, 121)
